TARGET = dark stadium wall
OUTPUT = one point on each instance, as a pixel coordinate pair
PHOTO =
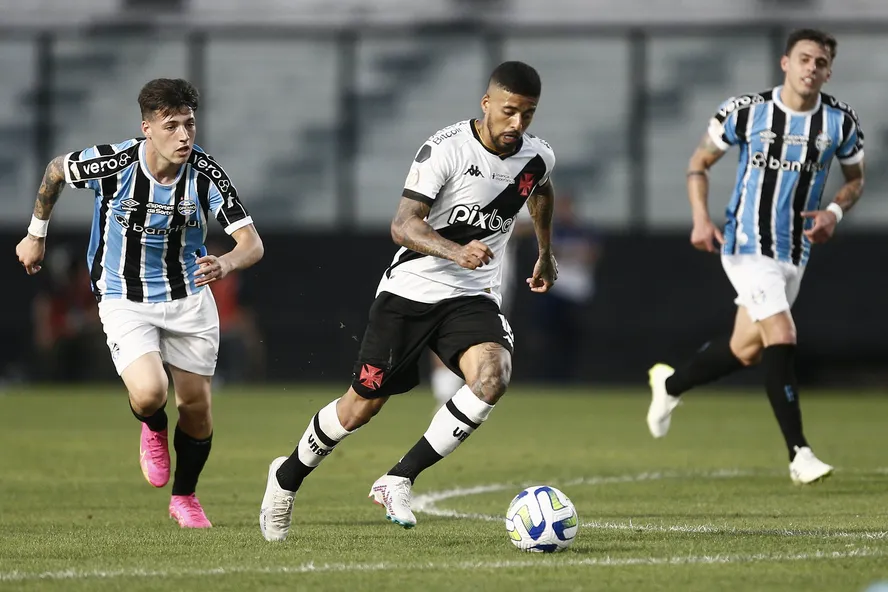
(656, 299)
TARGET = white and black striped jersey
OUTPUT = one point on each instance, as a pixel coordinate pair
(146, 237)
(474, 194)
(785, 157)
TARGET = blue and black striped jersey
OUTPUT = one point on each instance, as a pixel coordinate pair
(146, 236)
(785, 157)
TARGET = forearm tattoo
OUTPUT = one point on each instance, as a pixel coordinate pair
(50, 188)
(409, 229)
(541, 206)
(849, 193)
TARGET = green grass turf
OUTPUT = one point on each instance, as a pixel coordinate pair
(710, 507)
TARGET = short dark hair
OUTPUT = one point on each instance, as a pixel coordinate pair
(168, 96)
(820, 37)
(518, 78)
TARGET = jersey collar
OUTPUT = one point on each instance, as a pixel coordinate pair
(776, 96)
(518, 146)
(148, 174)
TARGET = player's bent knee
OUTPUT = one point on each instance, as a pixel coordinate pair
(147, 398)
(492, 383)
(747, 354)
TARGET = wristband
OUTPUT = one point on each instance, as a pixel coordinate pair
(38, 227)
(837, 210)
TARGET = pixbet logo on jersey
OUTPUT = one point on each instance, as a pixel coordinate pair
(760, 161)
(475, 217)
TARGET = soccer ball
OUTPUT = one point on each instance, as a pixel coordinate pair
(541, 519)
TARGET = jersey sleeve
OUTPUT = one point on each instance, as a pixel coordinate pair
(222, 195)
(549, 159)
(432, 166)
(723, 125)
(851, 149)
(85, 168)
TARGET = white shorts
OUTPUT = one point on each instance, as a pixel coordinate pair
(765, 286)
(184, 331)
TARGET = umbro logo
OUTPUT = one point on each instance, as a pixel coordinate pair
(474, 171)
(129, 204)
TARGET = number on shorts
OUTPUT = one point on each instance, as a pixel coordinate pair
(508, 329)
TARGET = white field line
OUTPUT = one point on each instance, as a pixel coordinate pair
(428, 504)
(535, 563)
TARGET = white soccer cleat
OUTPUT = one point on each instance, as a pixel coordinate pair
(662, 403)
(806, 468)
(394, 494)
(277, 506)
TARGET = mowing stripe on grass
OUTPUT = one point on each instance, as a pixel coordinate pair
(537, 562)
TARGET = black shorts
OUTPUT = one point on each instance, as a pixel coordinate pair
(399, 330)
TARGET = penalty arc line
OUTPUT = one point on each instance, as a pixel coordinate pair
(428, 503)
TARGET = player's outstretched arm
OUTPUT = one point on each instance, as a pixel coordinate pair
(31, 249)
(410, 229)
(541, 206)
(825, 220)
(247, 251)
(704, 234)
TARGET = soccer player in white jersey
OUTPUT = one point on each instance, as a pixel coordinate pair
(464, 190)
(444, 381)
(149, 270)
(787, 137)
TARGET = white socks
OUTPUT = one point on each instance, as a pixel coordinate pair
(454, 421)
(324, 432)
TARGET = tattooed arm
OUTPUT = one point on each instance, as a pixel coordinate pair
(851, 191)
(541, 206)
(410, 229)
(31, 249)
(825, 220)
(705, 233)
(50, 188)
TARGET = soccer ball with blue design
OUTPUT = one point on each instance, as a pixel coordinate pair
(542, 519)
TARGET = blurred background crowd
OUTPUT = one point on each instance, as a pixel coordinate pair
(316, 107)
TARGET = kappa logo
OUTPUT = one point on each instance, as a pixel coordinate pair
(474, 171)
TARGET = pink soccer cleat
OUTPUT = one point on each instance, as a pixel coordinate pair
(154, 456)
(186, 510)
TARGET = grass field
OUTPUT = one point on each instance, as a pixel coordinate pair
(711, 507)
